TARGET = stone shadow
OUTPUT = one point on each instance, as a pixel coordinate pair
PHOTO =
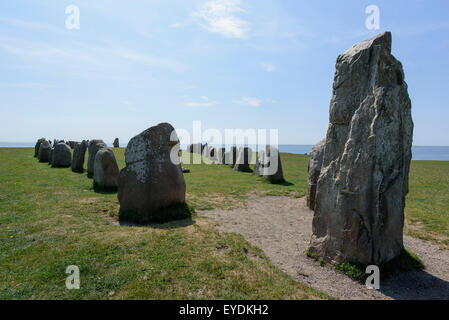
(415, 285)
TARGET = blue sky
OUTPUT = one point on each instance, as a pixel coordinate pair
(231, 64)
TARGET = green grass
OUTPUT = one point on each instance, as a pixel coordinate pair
(427, 207)
(52, 218)
(406, 261)
(219, 186)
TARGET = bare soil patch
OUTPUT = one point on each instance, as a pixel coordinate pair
(282, 226)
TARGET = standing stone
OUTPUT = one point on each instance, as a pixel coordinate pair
(271, 165)
(78, 156)
(44, 151)
(116, 143)
(314, 169)
(151, 183)
(260, 160)
(61, 156)
(37, 145)
(231, 156)
(360, 195)
(50, 157)
(94, 146)
(221, 155)
(243, 160)
(105, 170)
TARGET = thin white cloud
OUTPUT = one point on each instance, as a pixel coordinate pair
(268, 67)
(203, 104)
(253, 102)
(220, 16)
(249, 101)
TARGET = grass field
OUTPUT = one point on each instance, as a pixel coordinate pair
(51, 218)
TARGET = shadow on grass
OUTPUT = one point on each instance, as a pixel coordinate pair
(174, 216)
(99, 190)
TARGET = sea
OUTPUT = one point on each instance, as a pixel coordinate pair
(439, 153)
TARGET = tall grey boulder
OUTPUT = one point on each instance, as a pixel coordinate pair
(37, 145)
(61, 156)
(44, 151)
(152, 180)
(243, 160)
(50, 157)
(94, 146)
(314, 170)
(79, 154)
(116, 143)
(105, 170)
(360, 194)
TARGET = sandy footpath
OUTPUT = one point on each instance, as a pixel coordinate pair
(282, 226)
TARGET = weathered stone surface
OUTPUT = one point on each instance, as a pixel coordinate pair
(231, 156)
(260, 160)
(61, 156)
(94, 146)
(106, 170)
(272, 166)
(243, 160)
(44, 151)
(151, 181)
(314, 169)
(360, 196)
(116, 143)
(72, 144)
(221, 155)
(79, 154)
(50, 157)
(37, 145)
(268, 164)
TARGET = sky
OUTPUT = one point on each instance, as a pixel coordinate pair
(265, 64)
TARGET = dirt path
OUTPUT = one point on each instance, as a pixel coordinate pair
(282, 227)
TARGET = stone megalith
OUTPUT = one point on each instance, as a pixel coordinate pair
(314, 169)
(94, 146)
(61, 156)
(151, 188)
(360, 194)
(50, 156)
(271, 166)
(116, 143)
(44, 151)
(37, 145)
(243, 160)
(268, 164)
(79, 154)
(105, 170)
(221, 155)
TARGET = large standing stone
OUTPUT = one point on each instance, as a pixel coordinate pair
(116, 143)
(94, 146)
(78, 156)
(243, 160)
(360, 196)
(50, 157)
(61, 156)
(268, 164)
(105, 170)
(221, 155)
(314, 169)
(151, 182)
(44, 151)
(272, 166)
(37, 145)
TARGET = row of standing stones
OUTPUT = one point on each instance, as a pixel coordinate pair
(358, 175)
(267, 162)
(102, 165)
